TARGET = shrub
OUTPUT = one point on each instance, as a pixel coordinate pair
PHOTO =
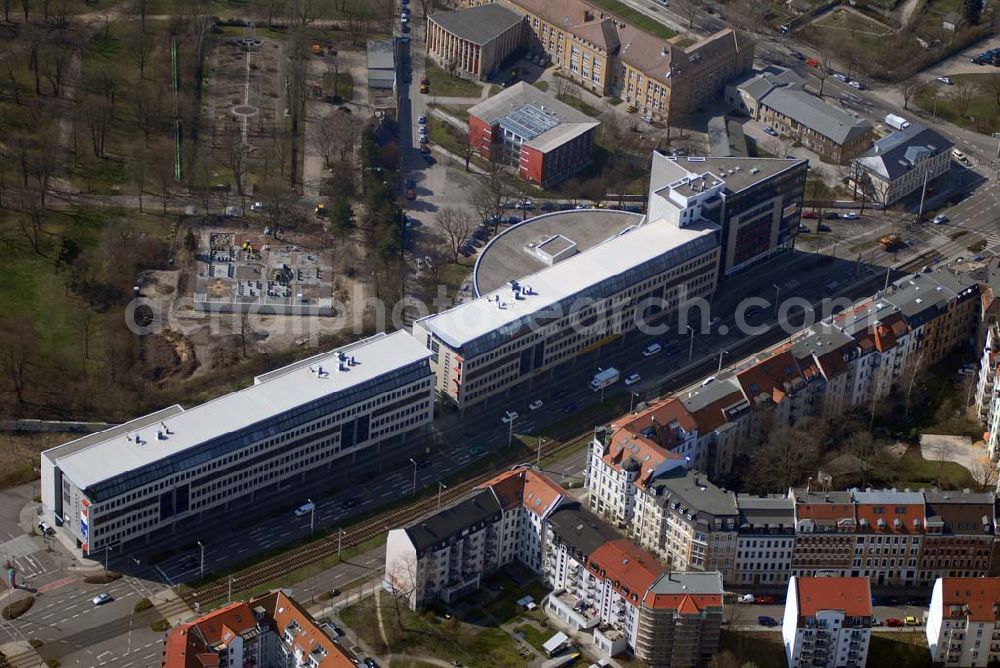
(159, 625)
(142, 604)
(18, 607)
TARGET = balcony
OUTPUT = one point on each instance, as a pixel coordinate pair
(573, 610)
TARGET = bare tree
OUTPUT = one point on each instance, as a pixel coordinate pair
(456, 224)
(983, 470)
(688, 9)
(139, 171)
(18, 346)
(964, 93)
(238, 159)
(785, 457)
(908, 89)
(493, 193)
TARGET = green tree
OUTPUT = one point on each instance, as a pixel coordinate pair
(972, 10)
(341, 218)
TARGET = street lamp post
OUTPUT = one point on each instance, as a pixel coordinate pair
(441, 488)
(631, 402)
(996, 135)
(414, 462)
(510, 431)
(340, 537)
(107, 550)
(721, 353)
(691, 345)
(777, 296)
(201, 568)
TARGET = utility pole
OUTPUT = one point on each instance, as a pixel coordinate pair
(923, 195)
(441, 488)
(340, 537)
(721, 353)
(691, 345)
(229, 596)
(538, 454)
(201, 573)
(777, 296)
(631, 404)
(312, 516)
(414, 462)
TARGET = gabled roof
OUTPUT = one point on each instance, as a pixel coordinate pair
(629, 568)
(852, 596)
(977, 599)
(480, 506)
(811, 112)
(823, 506)
(773, 378)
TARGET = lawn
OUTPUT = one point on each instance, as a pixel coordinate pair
(983, 114)
(913, 471)
(578, 104)
(445, 85)
(636, 18)
(428, 634)
(900, 650)
(447, 136)
(760, 648)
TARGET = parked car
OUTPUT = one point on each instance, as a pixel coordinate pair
(851, 215)
(808, 214)
(958, 155)
(840, 77)
(422, 120)
(45, 529)
(804, 228)
(101, 599)
(745, 598)
(940, 219)
(832, 215)
(632, 379)
(370, 662)
(305, 509)
(474, 450)
(771, 131)
(651, 349)
(945, 80)
(796, 55)
(569, 408)
(892, 621)
(823, 227)
(535, 405)
(856, 84)
(764, 620)
(508, 417)
(764, 599)
(910, 620)
(546, 206)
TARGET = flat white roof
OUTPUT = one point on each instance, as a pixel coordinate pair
(465, 323)
(114, 452)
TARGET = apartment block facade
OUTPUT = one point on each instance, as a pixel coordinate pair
(445, 555)
(963, 622)
(602, 584)
(900, 163)
(300, 425)
(827, 622)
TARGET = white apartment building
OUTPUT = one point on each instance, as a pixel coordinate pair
(899, 163)
(766, 541)
(302, 424)
(963, 622)
(827, 622)
(446, 554)
(988, 390)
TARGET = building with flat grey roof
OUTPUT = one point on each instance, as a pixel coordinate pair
(545, 139)
(756, 202)
(475, 42)
(311, 423)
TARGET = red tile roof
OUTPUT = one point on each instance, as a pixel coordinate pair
(628, 565)
(853, 596)
(197, 643)
(979, 598)
(773, 376)
(525, 487)
(891, 512)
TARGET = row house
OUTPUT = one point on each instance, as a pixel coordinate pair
(963, 622)
(605, 585)
(897, 538)
(827, 622)
(765, 541)
(446, 554)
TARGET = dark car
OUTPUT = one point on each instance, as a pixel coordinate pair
(370, 662)
(569, 408)
(831, 215)
(428, 158)
(764, 620)
(763, 600)
(822, 227)
(352, 502)
(797, 55)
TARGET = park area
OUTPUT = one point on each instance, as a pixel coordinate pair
(488, 629)
(973, 101)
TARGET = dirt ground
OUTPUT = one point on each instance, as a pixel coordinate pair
(19, 454)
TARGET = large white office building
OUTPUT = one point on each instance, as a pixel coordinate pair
(298, 426)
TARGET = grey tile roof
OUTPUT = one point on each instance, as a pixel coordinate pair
(773, 511)
(451, 521)
(581, 530)
(703, 396)
(896, 154)
(759, 84)
(381, 54)
(694, 492)
(887, 497)
(478, 24)
(808, 110)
